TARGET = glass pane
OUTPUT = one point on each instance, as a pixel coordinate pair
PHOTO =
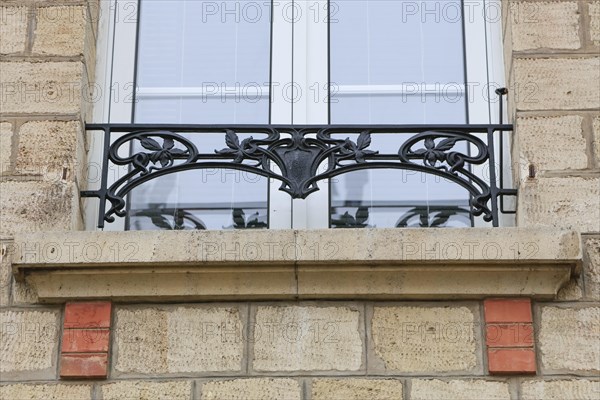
(398, 62)
(393, 42)
(398, 109)
(200, 62)
(201, 199)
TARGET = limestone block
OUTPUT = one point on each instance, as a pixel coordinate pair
(594, 11)
(425, 339)
(592, 267)
(475, 389)
(556, 84)
(60, 30)
(571, 291)
(37, 206)
(67, 31)
(256, 389)
(580, 389)
(49, 149)
(174, 265)
(29, 344)
(23, 293)
(596, 140)
(270, 247)
(569, 339)
(13, 29)
(303, 338)
(174, 390)
(171, 340)
(357, 389)
(549, 25)
(566, 203)
(551, 143)
(5, 272)
(42, 87)
(46, 391)
(6, 134)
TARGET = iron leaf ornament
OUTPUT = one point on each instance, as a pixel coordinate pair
(161, 154)
(239, 151)
(433, 153)
(358, 150)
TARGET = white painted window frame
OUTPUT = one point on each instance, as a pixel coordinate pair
(305, 65)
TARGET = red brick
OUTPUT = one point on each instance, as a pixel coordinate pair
(88, 315)
(511, 361)
(92, 365)
(507, 310)
(85, 340)
(517, 335)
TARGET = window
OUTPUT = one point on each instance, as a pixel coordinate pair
(301, 62)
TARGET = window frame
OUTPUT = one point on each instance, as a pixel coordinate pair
(116, 70)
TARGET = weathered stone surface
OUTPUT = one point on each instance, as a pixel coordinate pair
(566, 203)
(357, 389)
(23, 293)
(13, 29)
(257, 388)
(37, 206)
(556, 84)
(572, 290)
(594, 11)
(434, 389)
(46, 391)
(174, 390)
(5, 272)
(42, 87)
(580, 389)
(592, 267)
(552, 25)
(425, 339)
(29, 343)
(569, 339)
(277, 246)
(60, 30)
(372, 263)
(298, 338)
(48, 148)
(409, 245)
(178, 340)
(551, 143)
(596, 125)
(6, 134)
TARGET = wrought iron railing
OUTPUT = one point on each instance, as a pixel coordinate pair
(301, 156)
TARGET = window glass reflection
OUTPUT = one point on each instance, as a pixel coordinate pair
(200, 65)
(399, 62)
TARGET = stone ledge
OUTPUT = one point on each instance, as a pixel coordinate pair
(288, 264)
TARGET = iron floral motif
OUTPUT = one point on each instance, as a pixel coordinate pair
(434, 154)
(164, 155)
(161, 154)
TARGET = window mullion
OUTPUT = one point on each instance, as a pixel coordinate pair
(280, 204)
(310, 80)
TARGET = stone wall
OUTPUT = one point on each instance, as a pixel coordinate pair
(306, 350)
(553, 61)
(552, 54)
(47, 52)
(301, 350)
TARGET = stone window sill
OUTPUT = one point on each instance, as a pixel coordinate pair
(290, 264)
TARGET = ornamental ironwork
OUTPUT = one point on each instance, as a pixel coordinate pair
(300, 157)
